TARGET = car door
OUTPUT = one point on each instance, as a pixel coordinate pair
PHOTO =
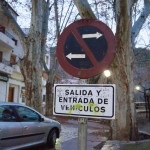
(33, 130)
(10, 128)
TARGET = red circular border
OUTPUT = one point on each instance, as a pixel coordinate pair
(102, 65)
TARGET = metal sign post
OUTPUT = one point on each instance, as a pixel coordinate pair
(82, 129)
(82, 133)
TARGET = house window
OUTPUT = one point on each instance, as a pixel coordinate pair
(47, 60)
(13, 59)
(23, 94)
(1, 56)
(15, 41)
(44, 98)
(2, 29)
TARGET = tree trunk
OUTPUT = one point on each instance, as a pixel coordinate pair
(31, 66)
(124, 127)
(49, 88)
(49, 97)
(52, 72)
(31, 70)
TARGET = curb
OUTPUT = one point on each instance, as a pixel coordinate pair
(111, 145)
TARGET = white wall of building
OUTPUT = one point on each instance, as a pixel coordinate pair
(8, 47)
(47, 60)
(17, 50)
(6, 55)
(17, 89)
(3, 91)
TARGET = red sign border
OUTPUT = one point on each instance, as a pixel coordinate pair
(100, 66)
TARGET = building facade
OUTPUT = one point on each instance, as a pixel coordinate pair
(11, 80)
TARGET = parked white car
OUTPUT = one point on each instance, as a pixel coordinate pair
(22, 126)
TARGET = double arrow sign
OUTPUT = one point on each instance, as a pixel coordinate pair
(84, 36)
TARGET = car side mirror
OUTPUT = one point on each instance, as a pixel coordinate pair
(41, 119)
(24, 117)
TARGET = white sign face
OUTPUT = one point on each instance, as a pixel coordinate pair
(85, 100)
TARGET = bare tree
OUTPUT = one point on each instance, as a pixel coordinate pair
(124, 127)
(54, 66)
(33, 45)
(140, 21)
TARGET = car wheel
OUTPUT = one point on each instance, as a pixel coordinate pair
(51, 140)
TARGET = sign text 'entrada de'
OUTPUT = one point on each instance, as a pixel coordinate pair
(96, 101)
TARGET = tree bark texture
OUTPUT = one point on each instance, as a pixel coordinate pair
(49, 97)
(124, 126)
(141, 20)
(84, 9)
(31, 67)
(49, 86)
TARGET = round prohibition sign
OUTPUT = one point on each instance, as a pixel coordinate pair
(86, 48)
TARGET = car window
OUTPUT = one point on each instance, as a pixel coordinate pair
(7, 114)
(26, 114)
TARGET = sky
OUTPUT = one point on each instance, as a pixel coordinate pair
(23, 9)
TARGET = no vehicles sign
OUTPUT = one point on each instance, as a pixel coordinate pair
(92, 101)
(86, 48)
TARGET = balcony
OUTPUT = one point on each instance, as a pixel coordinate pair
(5, 67)
(7, 41)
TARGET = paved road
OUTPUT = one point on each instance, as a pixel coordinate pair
(69, 136)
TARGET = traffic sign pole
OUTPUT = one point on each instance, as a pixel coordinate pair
(82, 133)
(82, 129)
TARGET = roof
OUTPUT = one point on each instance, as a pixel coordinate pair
(7, 5)
(12, 9)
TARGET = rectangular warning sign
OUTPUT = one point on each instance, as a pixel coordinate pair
(85, 100)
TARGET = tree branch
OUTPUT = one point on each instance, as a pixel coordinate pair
(84, 9)
(46, 13)
(133, 2)
(61, 12)
(141, 20)
(45, 66)
(56, 17)
(65, 16)
(36, 18)
(69, 16)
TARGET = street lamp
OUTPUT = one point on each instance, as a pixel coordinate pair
(137, 88)
(107, 74)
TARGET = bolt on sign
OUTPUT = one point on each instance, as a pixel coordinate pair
(86, 48)
(92, 101)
